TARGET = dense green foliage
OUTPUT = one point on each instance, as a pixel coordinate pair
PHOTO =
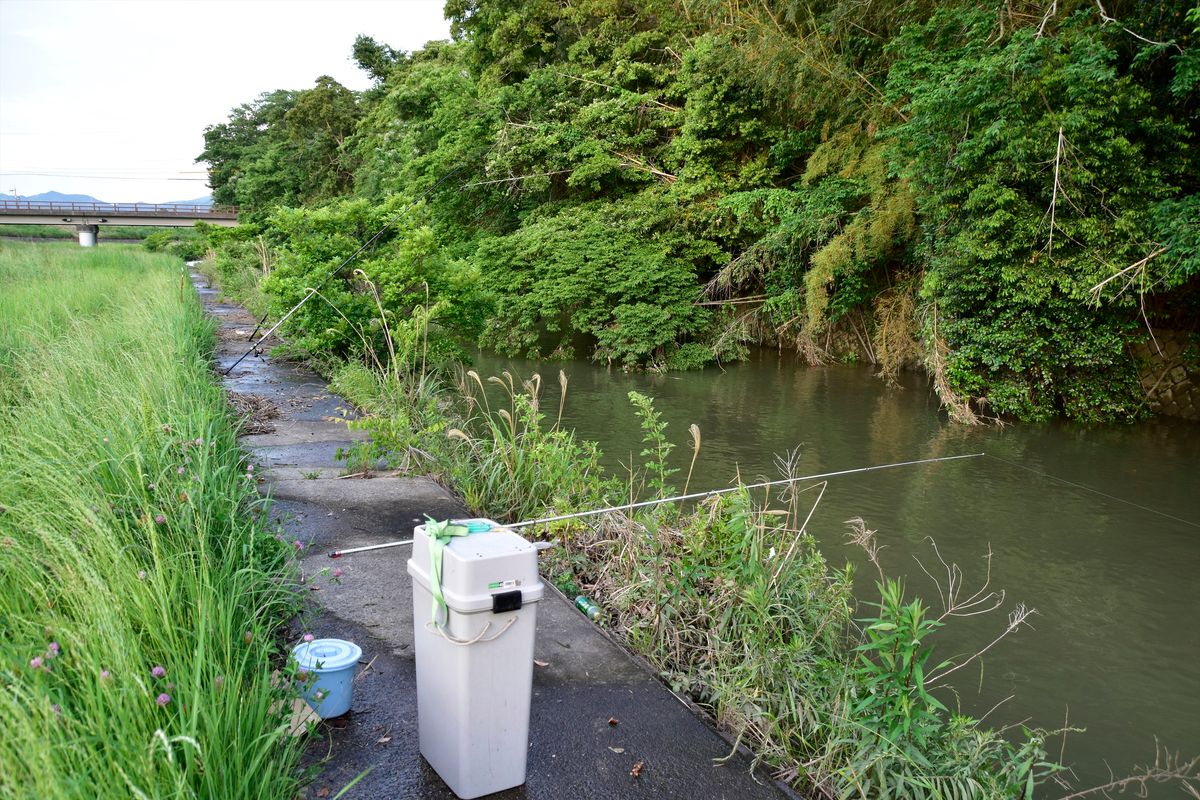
(1058, 164)
(185, 243)
(129, 541)
(658, 184)
(284, 147)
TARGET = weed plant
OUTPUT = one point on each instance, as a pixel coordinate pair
(510, 462)
(141, 592)
(236, 267)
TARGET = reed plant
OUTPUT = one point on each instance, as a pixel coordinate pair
(142, 593)
(511, 462)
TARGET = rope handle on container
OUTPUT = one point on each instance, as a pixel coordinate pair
(435, 628)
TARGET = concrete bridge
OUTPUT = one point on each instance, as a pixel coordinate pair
(88, 217)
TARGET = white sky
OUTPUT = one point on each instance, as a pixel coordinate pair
(124, 88)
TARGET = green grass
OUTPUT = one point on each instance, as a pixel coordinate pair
(127, 540)
(69, 232)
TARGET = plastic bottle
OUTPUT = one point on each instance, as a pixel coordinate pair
(590, 609)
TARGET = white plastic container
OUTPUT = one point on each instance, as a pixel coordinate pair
(475, 664)
(330, 664)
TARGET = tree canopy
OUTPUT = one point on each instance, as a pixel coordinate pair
(1003, 192)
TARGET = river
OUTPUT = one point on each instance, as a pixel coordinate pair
(1098, 528)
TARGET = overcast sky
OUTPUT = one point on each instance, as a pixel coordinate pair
(110, 97)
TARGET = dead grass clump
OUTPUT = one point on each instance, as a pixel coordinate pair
(255, 411)
(895, 340)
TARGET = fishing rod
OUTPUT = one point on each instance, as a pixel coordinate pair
(676, 499)
(314, 290)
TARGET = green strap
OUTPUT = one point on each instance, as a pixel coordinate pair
(440, 534)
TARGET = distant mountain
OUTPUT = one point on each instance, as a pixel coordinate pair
(205, 201)
(59, 197)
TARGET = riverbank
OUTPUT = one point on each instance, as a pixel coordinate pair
(143, 593)
(582, 680)
(732, 603)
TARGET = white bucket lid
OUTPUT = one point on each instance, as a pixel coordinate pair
(331, 654)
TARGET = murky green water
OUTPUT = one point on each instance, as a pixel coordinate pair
(1116, 642)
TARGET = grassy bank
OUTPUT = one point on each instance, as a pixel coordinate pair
(69, 232)
(140, 597)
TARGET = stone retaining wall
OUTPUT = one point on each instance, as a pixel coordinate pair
(1170, 374)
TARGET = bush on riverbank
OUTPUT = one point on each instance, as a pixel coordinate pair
(187, 244)
(140, 595)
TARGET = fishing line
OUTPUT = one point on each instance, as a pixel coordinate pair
(313, 290)
(680, 498)
(1041, 474)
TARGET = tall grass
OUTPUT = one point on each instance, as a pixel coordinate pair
(237, 267)
(140, 595)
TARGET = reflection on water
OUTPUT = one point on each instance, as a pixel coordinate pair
(1115, 647)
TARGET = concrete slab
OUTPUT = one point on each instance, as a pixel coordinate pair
(366, 493)
(317, 454)
(291, 432)
(574, 751)
(602, 725)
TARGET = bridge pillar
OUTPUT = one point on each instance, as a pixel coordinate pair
(87, 235)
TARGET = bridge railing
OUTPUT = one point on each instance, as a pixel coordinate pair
(145, 209)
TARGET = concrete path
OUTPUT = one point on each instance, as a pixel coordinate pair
(596, 713)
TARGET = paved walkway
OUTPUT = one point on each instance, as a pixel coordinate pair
(575, 751)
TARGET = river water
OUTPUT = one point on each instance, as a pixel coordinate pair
(1096, 528)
